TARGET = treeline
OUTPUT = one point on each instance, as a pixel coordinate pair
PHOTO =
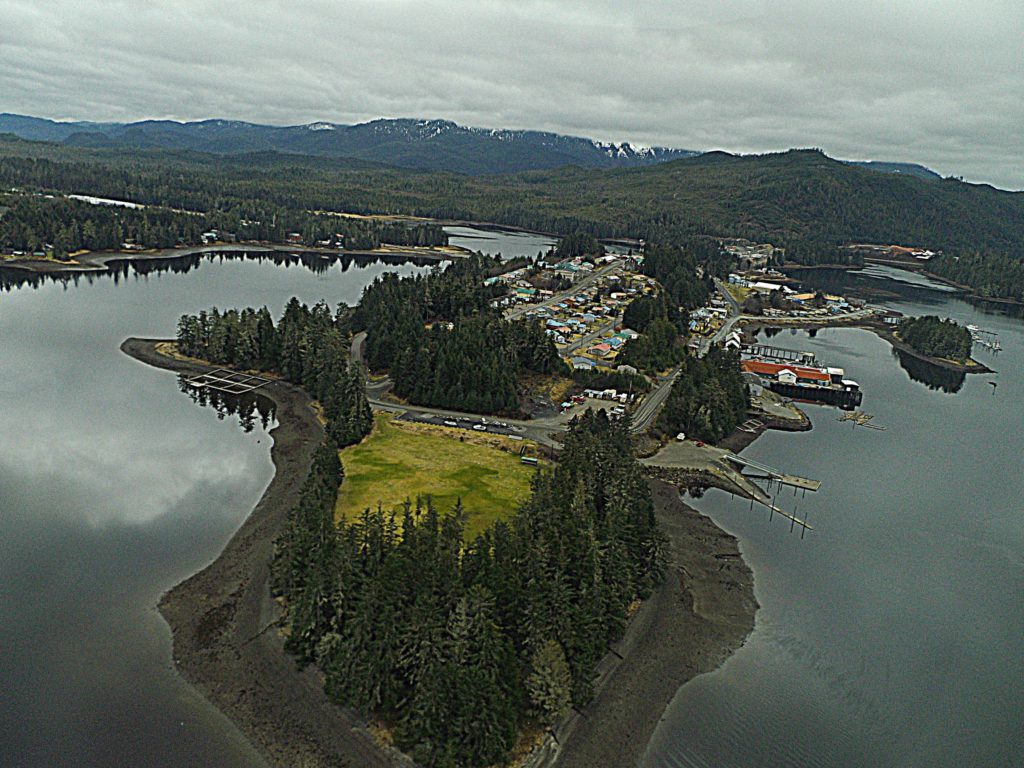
(709, 399)
(658, 348)
(474, 365)
(457, 645)
(31, 222)
(993, 275)
(308, 347)
(685, 272)
(444, 343)
(577, 244)
(815, 253)
(936, 337)
(778, 198)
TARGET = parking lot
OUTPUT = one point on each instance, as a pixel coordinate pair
(473, 423)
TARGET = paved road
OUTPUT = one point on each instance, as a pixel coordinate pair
(644, 415)
(586, 282)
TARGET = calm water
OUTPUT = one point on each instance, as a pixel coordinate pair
(893, 634)
(114, 486)
(509, 244)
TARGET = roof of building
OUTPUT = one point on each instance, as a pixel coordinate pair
(774, 369)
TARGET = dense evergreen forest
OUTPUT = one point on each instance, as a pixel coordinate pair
(657, 349)
(815, 253)
(935, 337)
(457, 645)
(991, 275)
(308, 346)
(709, 399)
(787, 198)
(29, 222)
(685, 272)
(577, 244)
(443, 343)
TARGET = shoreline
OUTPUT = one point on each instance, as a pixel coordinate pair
(920, 269)
(223, 622)
(223, 619)
(880, 329)
(100, 261)
(696, 618)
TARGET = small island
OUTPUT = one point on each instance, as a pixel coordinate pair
(944, 343)
(935, 337)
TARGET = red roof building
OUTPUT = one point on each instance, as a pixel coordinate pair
(772, 370)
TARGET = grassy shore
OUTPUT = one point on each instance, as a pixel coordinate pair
(401, 460)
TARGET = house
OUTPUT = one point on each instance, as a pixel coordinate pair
(600, 350)
(582, 364)
(627, 369)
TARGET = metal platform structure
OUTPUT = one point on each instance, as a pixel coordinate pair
(766, 472)
(228, 382)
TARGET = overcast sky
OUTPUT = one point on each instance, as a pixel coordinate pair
(939, 82)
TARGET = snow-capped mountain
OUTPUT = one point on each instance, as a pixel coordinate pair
(427, 144)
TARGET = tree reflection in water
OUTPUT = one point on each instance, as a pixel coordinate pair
(248, 407)
(932, 376)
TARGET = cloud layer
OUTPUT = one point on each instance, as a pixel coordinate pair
(940, 83)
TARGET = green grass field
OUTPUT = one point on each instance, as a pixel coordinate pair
(401, 460)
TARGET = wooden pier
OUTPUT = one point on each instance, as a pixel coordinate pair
(781, 354)
(765, 472)
(228, 382)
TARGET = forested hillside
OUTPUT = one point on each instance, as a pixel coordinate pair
(797, 194)
(794, 196)
(28, 222)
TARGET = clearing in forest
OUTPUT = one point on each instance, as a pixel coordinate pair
(401, 460)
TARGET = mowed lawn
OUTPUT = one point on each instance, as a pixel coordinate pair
(399, 461)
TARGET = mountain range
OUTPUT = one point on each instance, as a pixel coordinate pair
(437, 145)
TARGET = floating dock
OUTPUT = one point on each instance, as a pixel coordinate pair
(987, 339)
(228, 382)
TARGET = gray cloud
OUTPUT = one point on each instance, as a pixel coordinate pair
(941, 83)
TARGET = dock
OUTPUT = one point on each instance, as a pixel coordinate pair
(686, 463)
(983, 338)
(767, 473)
(781, 354)
(228, 382)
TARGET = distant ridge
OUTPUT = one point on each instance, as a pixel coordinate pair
(437, 145)
(905, 169)
(408, 143)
